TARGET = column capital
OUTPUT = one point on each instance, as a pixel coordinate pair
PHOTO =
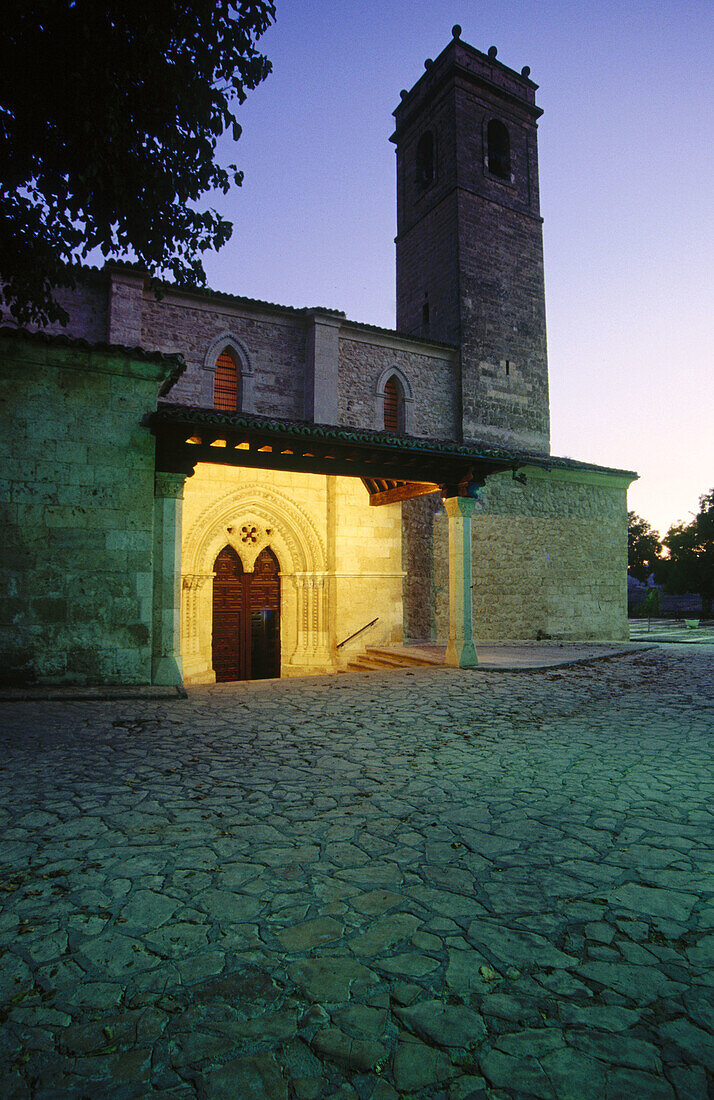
(459, 506)
(195, 580)
(168, 484)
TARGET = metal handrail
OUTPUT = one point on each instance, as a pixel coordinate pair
(365, 627)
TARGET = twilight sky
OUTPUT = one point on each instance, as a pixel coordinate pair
(626, 168)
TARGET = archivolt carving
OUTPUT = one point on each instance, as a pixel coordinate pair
(391, 372)
(407, 395)
(279, 523)
(228, 341)
(240, 351)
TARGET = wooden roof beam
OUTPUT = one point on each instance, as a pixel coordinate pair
(403, 491)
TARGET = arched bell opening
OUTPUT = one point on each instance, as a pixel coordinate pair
(246, 617)
(499, 149)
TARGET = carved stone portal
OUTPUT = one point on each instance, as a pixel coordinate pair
(250, 520)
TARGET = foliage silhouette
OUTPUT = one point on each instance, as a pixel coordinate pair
(110, 111)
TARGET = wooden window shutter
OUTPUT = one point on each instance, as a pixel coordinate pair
(226, 393)
(391, 406)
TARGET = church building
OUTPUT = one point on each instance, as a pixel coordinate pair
(204, 487)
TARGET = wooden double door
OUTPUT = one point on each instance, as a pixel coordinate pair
(246, 617)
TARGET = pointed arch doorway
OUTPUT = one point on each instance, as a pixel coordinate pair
(246, 617)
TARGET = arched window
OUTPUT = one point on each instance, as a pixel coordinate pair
(393, 405)
(226, 383)
(425, 159)
(499, 149)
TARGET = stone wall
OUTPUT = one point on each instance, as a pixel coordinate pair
(87, 305)
(286, 372)
(76, 505)
(550, 557)
(427, 246)
(549, 560)
(280, 360)
(368, 568)
(274, 344)
(503, 352)
(430, 373)
(422, 587)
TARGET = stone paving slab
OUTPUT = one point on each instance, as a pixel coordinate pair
(426, 884)
(89, 694)
(528, 655)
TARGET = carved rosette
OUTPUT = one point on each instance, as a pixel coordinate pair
(248, 537)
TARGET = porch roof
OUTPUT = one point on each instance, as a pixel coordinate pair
(392, 466)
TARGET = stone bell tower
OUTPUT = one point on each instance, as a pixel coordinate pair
(469, 238)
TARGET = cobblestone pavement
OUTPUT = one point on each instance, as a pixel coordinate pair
(428, 883)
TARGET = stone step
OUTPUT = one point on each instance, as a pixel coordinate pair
(399, 656)
(384, 659)
(376, 658)
(364, 664)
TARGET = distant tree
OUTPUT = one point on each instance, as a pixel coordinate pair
(649, 607)
(690, 565)
(110, 111)
(644, 548)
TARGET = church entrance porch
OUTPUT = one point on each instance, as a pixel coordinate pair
(309, 494)
(278, 568)
(246, 617)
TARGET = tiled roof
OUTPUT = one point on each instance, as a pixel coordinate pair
(96, 273)
(193, 415)
(59, 340)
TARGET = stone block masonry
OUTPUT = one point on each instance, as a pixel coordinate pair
(469, 242)
(430, 371)
(88, 306)
(549, 559)
(274, 342)
(76, 506)
(296, 364)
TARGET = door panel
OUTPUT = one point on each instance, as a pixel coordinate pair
(246, 617)
(231, 648)
(264, 605)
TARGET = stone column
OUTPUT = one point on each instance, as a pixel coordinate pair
(461, 651)
(166, 653)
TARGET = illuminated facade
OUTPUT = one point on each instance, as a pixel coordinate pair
(321, 485)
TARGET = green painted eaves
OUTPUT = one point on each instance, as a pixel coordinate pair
(193, 416)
